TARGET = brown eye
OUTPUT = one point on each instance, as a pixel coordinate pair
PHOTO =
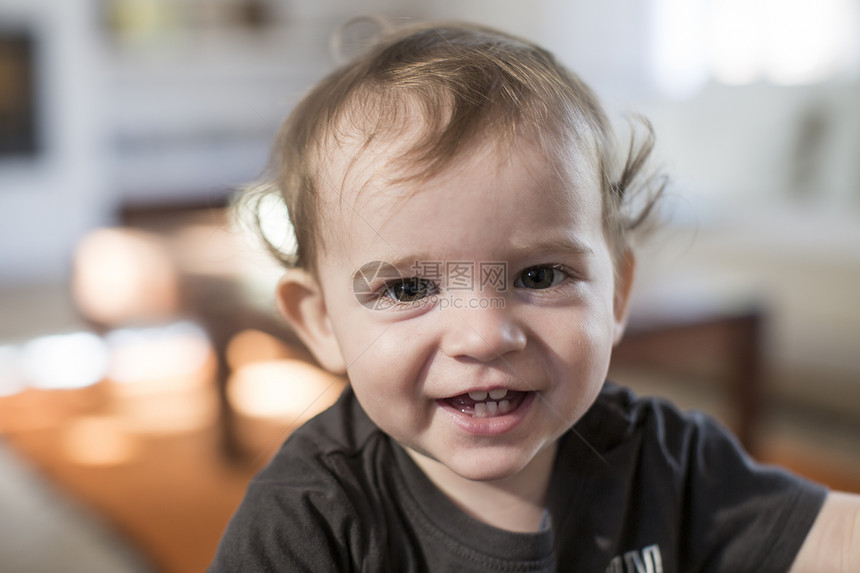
(540, 277)
(409, 290)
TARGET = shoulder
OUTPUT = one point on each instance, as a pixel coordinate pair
(691, 443)
(326, 460)
(619, 417)
(342, 429)
(307, 508)
(715, 504)
(622, 434)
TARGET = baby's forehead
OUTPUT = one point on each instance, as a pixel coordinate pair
(356, 161)
(367, 144)
(390, 136)
(357, 165)
(372, 189)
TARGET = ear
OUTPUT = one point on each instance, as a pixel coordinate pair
(623, 286)
(301, 303)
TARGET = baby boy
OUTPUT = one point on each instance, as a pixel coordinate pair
(463, 227)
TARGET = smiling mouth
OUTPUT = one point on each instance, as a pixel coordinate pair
(487, 404)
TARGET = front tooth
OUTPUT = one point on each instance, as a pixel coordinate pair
(504, 406)
(492, 409)
(498, 394)
(478, 396)
(480, 410)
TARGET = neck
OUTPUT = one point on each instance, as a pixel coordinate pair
(514, 503)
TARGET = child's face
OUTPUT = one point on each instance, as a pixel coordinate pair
(542, 340)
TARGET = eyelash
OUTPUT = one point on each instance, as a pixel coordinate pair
(386, 292)
(560, 275)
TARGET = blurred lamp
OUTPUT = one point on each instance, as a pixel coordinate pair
(290, 391)
(158, 359)
(12, 378)
(161, 378)
(65, 361)
(124, 277)
(251, 346)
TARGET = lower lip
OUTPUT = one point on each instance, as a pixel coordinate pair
(493, 426)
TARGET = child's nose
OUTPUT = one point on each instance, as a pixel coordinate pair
(483, 334)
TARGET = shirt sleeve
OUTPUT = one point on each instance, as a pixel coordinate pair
(739, 515)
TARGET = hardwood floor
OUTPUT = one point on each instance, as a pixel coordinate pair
(169, 495)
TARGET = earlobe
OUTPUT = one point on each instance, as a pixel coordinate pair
(623, 286)
(301, 303)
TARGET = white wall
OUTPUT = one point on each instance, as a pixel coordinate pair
(176, 120)
(47, 203)
(606, 42)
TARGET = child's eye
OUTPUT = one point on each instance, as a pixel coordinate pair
(540, 277)
(409, 290)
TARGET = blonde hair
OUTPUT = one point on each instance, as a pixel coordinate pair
(469, 84)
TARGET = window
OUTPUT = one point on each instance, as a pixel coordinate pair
(787, 42)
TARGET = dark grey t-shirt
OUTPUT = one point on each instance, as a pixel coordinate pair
(637, 487)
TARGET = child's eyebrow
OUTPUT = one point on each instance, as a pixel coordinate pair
(569, 245)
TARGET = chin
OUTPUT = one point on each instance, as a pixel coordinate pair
(480, 468)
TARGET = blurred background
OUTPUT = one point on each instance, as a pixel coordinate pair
(144, 374)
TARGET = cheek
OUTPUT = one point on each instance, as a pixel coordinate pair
(387, 375)
(583, 340)
(390, 402)
(384, 370)
(594, 345)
